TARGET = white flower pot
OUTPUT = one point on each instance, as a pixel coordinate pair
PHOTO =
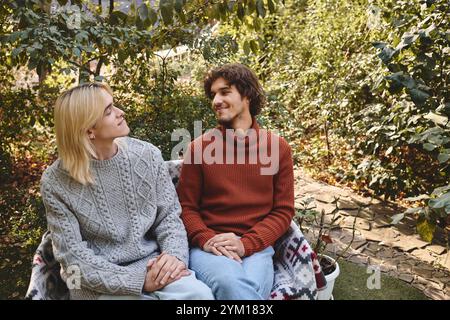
(327, 293)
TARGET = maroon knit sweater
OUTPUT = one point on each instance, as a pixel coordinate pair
(235, 197)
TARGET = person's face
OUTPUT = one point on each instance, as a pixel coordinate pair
(227, 103)
(112, 124)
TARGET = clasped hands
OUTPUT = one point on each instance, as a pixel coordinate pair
(226, 244)
(162, 271)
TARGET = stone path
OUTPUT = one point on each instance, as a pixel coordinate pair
(396, 250)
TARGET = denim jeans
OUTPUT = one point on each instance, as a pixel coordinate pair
(186, 288)
(230, 280)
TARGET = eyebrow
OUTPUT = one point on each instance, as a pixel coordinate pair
(222, 88)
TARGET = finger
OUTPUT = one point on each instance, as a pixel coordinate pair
(223, 243)
(150, 263)
(231, 248)
(214, 238)
(225, 252)
(173, 268)
(235, 256)
(166, 278)
(184, 273)
(178, 270)
(159, 265)
(215, 251)
(169, 262)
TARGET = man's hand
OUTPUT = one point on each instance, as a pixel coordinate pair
(227, 244)
(163, 270)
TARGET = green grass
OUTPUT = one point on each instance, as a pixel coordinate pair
(352, 285)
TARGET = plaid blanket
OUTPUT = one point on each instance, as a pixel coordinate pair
(297, 271)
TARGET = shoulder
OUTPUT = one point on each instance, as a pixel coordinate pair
(206, 138)
(139, 147)
(53, 172)
(283, 145)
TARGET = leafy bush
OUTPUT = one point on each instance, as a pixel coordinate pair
(412, 139)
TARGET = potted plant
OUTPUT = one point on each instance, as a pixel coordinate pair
(318, 233)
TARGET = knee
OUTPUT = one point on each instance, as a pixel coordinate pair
(203, 292)
(228, 281)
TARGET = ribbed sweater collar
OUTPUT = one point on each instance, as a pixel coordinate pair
(106, 163)
(228, 132)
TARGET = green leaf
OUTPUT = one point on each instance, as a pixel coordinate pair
(152, 16)
(257, 24)
(379, 45)
(166, 7)
(251, 6)
(419, 97)
(407, 40)
(437, 119)
(254, 46)
(246, 48)
(418, 198)
(414, 210)
(260, 8)
(397, 218)
(440, 202)
(143, 12)
(241, 11)
(429, 147)
(16, 52)
(386, 54)
(443, 157)
(425, 229)
(441, 190)
(76, 52)
(271, 6)
(179, 6)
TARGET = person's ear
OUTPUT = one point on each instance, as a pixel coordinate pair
(91, 134)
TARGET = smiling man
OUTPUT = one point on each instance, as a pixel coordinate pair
(234, 210)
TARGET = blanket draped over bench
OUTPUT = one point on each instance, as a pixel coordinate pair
(297, 271)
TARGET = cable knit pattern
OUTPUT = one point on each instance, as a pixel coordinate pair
(111, 229)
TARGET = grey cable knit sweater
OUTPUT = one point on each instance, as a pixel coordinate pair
(111, 229)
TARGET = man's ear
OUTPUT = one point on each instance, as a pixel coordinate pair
(247, 100)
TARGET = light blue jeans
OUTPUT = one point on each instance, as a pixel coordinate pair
(230, 280)
(186, 288)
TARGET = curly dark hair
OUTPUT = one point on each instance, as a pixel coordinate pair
(245, 81)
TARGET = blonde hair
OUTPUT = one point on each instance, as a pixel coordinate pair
(76, 111)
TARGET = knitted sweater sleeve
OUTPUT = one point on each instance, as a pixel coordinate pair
(267, 231)
(168, 227)
(190, 189)
(80, 262)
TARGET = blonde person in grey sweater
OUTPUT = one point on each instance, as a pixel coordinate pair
(111, 207)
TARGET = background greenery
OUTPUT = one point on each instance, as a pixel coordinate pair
(360, 89)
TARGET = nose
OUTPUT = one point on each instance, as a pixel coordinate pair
(120, 112)
(217, 101)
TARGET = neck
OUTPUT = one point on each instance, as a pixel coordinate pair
(241, 124)
(105, 149)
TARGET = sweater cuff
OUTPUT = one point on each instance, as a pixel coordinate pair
(136, 282)
(248, 247)
(180, 256)
(202, 238)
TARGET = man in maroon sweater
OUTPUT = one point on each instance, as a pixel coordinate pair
(236, 190)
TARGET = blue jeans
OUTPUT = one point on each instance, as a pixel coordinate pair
(186, 288)
(230, 280)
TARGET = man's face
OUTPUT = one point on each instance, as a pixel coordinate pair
(227, 103)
